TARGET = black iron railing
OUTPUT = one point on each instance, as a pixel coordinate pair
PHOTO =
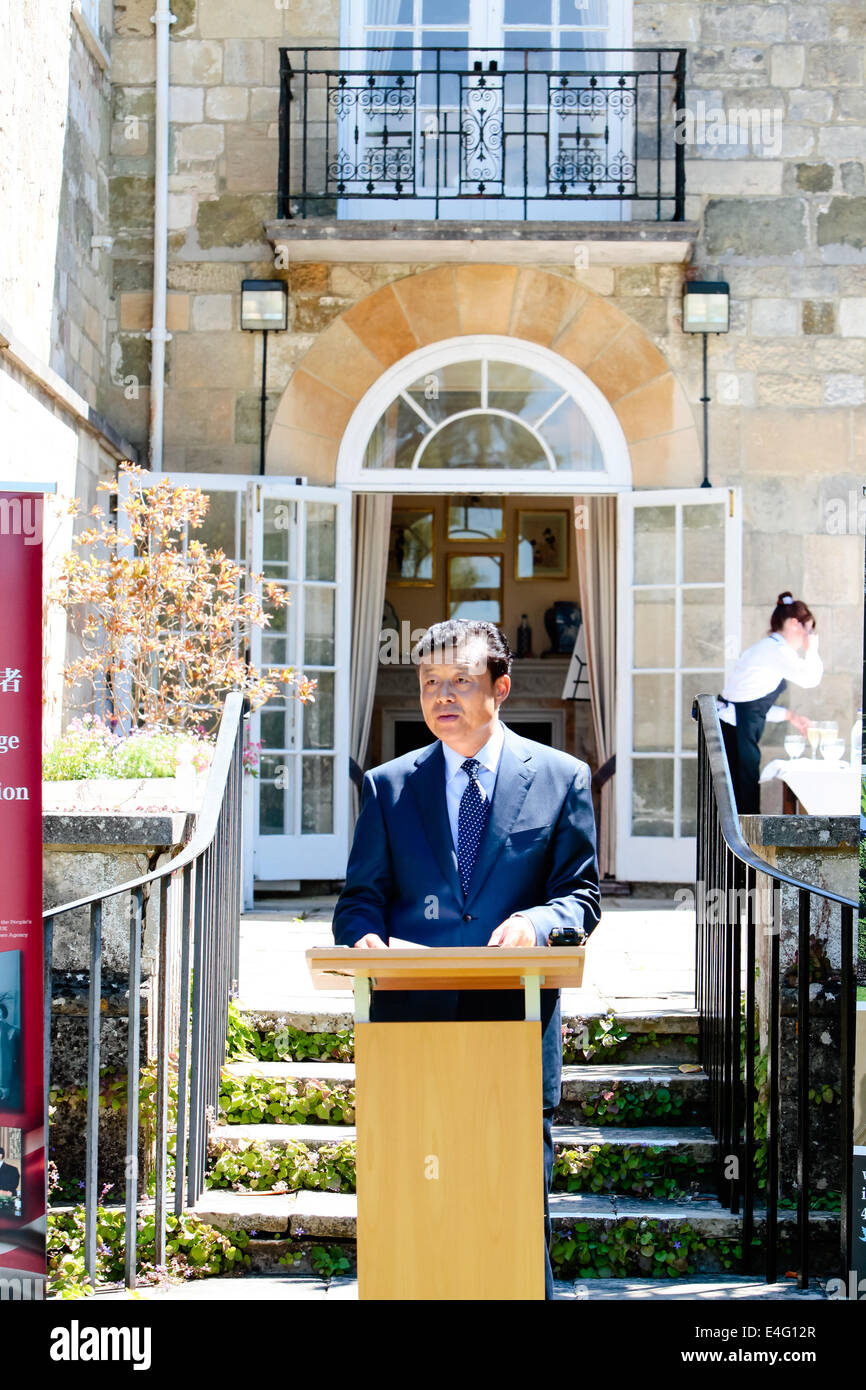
(196, 974)
(730, 915)
(446, 132)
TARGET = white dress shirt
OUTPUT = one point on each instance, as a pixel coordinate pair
(762, 666)
(456, 780)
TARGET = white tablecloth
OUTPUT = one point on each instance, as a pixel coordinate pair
(823, 788)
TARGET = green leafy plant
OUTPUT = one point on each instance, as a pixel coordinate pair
(646, 1170)
(253, 1166)
(580, 1043)
(246, 1100)
(250, 1038)
(89, 748)
(329, 1262)
(631, 1102)
(193, 1250)
(636, 1247)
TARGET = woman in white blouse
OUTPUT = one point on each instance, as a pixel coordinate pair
(761, 673)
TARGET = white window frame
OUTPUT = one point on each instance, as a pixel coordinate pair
(662, 858)
(615, 476)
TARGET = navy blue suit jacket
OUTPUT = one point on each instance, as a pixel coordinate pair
(537, 856)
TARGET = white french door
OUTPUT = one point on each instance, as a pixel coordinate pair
(678, 635)
(296, 811)
(300, 537)
(470, 113)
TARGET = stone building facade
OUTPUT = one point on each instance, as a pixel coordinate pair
(775, 205)
(55, 274)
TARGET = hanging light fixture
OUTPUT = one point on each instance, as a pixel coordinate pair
(264, 309)
(706, 309)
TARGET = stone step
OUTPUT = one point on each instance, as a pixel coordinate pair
(696, 1140)
(307, 1217)
(579, 1082)
(580, 1078)
(584, 1080)
(338, 1015)
(288, 1287)
(330, 1072)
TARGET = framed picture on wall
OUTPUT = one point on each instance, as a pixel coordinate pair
(476, 519)
(411, 552)
(541, 545)
(475, 587)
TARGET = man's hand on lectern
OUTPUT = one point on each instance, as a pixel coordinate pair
(371, 940)
(514, 931)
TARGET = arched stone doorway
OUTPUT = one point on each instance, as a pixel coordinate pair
(614, 353)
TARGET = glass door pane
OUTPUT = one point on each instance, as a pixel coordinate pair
(301, 535)
(679, 581)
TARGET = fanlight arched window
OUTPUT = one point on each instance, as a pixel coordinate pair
(493, 406)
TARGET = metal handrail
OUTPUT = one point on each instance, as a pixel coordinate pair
(378, 136)
(724, 857)
(728, 820)
(208, 925)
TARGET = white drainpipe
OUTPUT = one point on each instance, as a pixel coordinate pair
(158, 336)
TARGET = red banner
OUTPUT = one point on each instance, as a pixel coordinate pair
(22, 1115)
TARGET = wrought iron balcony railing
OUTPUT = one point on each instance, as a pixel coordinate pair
(510, 133)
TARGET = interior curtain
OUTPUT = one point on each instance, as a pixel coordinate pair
(371, 525)
(596, 567)
(381, 15)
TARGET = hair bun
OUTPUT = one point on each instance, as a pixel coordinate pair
(786, 597)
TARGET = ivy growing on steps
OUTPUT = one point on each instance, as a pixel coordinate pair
(636, 1247)
(254, 1038)
(246, 1100)
(254, 1166)
(639, 1171)
(193, 1250)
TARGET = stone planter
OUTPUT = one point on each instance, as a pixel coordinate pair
(124, 795)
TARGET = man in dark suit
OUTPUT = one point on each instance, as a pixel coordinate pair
(482, 838)
(9, 1177)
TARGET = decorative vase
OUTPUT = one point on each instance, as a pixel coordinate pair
(562, 622)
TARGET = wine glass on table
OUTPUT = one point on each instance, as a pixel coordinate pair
(832, 749)
(813, 734)
(795, 745)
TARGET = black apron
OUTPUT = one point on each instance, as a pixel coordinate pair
(742, 745)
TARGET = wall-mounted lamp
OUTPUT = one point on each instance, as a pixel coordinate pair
(264, 309)
(706, 309)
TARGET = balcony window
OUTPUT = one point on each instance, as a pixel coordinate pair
(473, 109)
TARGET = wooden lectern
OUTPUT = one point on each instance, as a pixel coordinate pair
(448, 1120)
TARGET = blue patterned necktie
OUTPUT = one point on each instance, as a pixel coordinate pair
(470, 822)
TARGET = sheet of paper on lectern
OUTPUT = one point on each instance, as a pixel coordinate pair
(406, 945)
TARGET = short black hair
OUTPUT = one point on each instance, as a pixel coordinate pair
(3, 1009)
(455, 632)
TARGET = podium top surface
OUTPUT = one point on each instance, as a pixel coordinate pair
(334, 968)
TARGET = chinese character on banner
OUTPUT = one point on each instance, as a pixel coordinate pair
(22, 1098)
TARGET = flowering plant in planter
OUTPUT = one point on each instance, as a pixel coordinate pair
(163, 621)
(91, 748)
